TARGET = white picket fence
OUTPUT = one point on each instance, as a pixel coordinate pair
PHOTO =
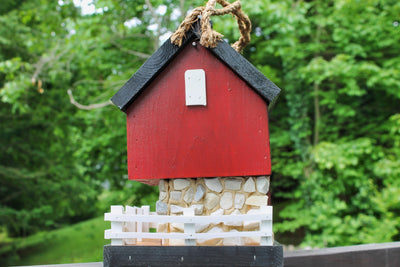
(131, 225)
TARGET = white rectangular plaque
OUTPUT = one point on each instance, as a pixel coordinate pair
(195, 88)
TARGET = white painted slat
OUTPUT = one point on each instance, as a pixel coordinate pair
(189, 228)
(265, 226)
(109, 234)
(130, 226)
(182, 219)
(116, 226)
(139, 225)
(146, 212)
(150, 219)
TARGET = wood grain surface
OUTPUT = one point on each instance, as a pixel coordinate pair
(228, 137)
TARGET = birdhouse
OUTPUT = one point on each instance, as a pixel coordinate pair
(196, 112)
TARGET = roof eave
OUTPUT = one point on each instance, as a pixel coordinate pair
(148, 71)
(167, 52)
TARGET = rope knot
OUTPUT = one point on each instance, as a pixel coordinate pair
(210, 38)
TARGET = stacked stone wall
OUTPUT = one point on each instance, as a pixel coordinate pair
(214, 196)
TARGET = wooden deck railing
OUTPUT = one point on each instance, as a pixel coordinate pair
(371, 255)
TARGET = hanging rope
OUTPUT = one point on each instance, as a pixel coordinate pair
(209, 37)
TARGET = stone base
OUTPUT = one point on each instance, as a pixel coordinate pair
(214, 196)
(165, 256)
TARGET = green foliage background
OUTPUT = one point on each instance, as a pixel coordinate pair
(335, 131)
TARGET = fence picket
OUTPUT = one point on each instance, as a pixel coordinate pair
(145, 212)
(265, 226)
(189, 228)
(116, 226)
(133, 225)
(130, 226)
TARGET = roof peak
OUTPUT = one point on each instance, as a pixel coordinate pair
(167, 52)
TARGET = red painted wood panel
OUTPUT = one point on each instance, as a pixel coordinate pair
(228, 137)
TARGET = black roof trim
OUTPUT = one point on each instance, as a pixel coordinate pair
(160, 59)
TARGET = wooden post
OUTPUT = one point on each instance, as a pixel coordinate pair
(189, 228)
(116, 226)
(130, 226)
(265, 226)
(146, 212)
(139, 225)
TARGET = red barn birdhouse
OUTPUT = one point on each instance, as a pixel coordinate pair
(196, 112)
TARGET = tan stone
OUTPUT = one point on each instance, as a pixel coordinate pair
(218, 212)
(188, 197)
(211, 201)
(162, 227)
(198, 209)
(213, 184)
(249, 186)
(252, 225)
(226, 201)
(161, 208)
(180, 184)
(176, 209)
(257, 201)
(177, 227)
(175, 196)
(239, 200)
(199, 192)
(233, 183)
(262, 184)
(252, 241)
(200, 227)
(233, 241)
(211, 242)
(162, 186)
(163, 195)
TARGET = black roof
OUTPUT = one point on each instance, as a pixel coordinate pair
(164, 55)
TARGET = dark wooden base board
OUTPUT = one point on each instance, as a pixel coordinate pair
(164, 256)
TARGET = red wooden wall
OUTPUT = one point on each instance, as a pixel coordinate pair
(228, 137)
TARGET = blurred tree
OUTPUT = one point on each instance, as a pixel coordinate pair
(62, 141)
(334, 131)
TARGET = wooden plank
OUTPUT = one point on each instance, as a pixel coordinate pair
(117, 226)
(228, 137)
(139, 225)
(266, 226)
(146, 212)
(182, 219)
(189, 228)
(90, 264)
(109, 234)
(193, 256)
(371, 255)
(244, 69)
(130, 226)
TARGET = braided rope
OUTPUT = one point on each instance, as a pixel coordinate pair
(209, 37)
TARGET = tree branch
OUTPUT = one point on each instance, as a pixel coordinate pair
(45, 60)
(158, 22)
(135, 53)
(86, 107)
(182, 9)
